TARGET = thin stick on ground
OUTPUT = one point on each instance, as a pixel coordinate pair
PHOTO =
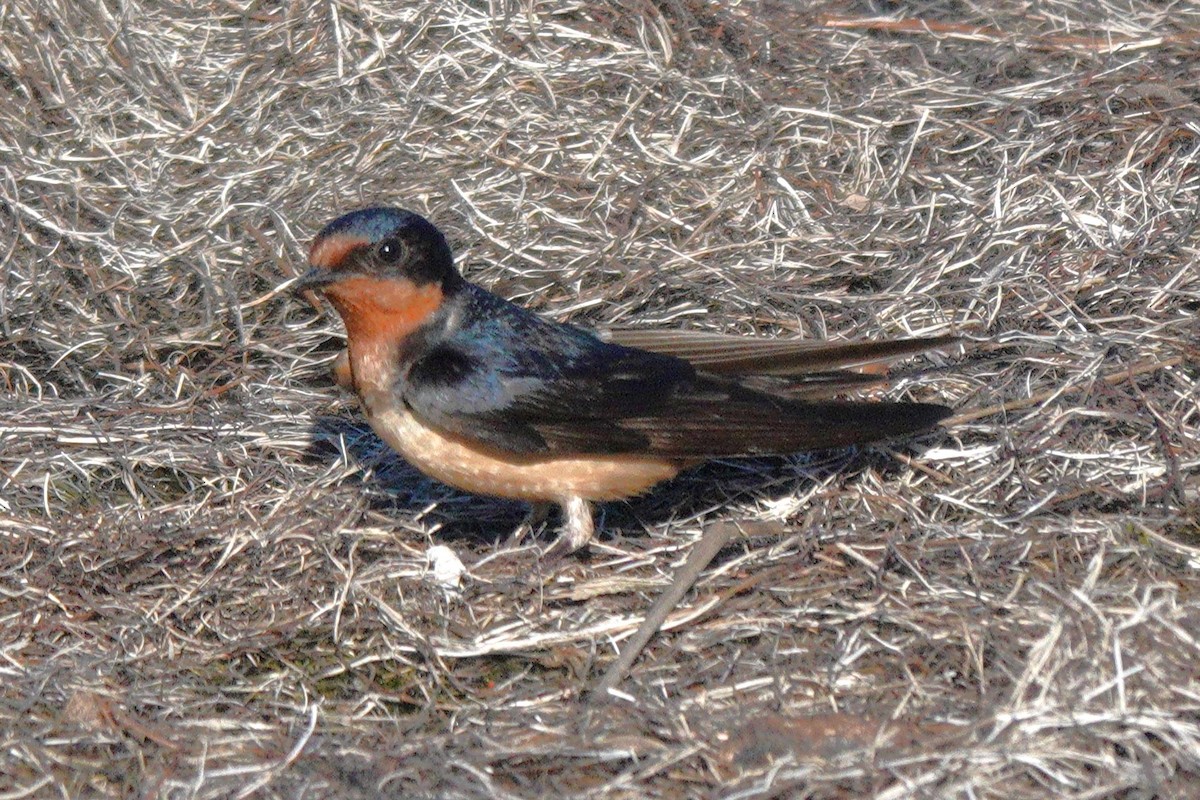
(711, 541)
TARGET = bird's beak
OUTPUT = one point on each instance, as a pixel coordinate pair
(316, 279)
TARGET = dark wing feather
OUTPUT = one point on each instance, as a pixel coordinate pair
(751, 423)
(722, 354)
(559, 402)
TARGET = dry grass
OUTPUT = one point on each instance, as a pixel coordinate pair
(214, 579)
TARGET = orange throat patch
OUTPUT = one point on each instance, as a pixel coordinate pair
(379, 315)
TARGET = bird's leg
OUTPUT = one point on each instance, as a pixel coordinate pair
(535, 519)
(578, 527)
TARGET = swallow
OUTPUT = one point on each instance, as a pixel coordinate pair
(488, 397)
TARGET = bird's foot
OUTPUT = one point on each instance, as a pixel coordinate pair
(533, 522)
(579, 526)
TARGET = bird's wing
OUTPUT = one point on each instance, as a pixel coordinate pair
(549, 390)
(527, 396)
(722, 354)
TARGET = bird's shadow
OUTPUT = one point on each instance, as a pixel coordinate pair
(394, 489)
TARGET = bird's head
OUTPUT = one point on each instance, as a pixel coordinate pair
(384, 269)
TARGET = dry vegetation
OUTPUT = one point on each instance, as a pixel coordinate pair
(214, 579)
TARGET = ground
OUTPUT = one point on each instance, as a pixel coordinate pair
(217, 582)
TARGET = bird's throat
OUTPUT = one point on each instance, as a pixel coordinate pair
(379, 316)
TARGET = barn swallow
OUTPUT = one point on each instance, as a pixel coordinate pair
(484, 395)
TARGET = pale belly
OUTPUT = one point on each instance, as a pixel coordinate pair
(484, 471)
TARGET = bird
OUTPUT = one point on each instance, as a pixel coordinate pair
(487, 396)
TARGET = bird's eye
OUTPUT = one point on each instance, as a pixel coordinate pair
(390, 251)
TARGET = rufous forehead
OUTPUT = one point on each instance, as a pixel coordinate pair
(329, 251)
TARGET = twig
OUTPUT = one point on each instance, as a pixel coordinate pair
(711, 542)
